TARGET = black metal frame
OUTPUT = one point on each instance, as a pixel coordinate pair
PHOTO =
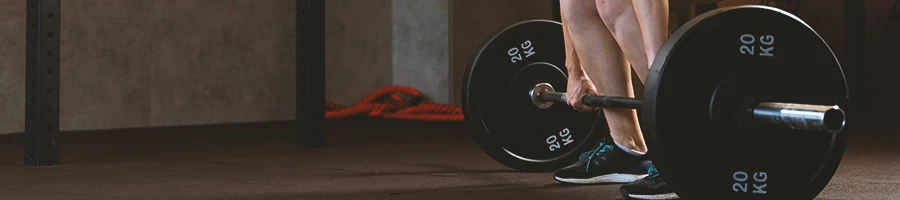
(42, 82)
(310, 73)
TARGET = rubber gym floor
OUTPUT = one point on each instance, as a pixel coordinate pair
(364, 159)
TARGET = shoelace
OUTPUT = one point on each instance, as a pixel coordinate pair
(596, 152)
(653, 173)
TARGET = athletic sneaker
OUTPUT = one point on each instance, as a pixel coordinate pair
(606, 164)
(650, 187)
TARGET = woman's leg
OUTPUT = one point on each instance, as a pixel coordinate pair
(621, 18)
(605, 63)
(599, 58)
(653, 18)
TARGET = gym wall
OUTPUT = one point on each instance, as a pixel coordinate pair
(357, 49)
(881, 57)
(133, 63)
(136, 63)
(472, 21)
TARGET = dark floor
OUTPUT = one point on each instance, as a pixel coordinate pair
(364, 160)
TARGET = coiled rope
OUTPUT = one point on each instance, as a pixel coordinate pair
(396, 102)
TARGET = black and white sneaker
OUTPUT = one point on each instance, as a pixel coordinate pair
(650, 187)
(606, 164)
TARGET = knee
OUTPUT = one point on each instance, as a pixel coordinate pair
(610, 10)
(574, 10)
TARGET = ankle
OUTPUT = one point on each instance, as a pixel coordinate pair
(629, 143)
(629, 148)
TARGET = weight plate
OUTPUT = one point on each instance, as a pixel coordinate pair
(496, 102)
(722, 61)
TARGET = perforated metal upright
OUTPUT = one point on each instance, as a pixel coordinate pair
(310, 73)
(42, 82)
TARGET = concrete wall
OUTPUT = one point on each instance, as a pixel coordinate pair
(358, 53)
(421, 47)
(135, 63)
(371, 44)
(12, 66)
(474, 20)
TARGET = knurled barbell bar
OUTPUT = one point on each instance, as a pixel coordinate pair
(817, 118)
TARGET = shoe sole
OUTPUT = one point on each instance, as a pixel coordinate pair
(649, 196)
(654, 196)
(609, 178)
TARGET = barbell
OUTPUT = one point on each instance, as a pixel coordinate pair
(820, 118)
(744, 102)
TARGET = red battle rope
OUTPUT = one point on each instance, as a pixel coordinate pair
(396, 102)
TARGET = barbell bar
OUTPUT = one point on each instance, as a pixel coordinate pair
(806, 117)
